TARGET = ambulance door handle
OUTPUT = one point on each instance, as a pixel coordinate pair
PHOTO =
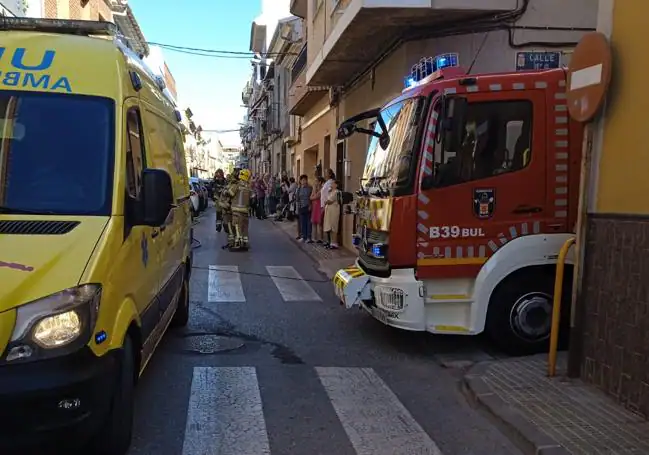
(525, 209)
(155, 233)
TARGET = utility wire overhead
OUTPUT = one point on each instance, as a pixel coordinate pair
(211, 52)
(226, 54)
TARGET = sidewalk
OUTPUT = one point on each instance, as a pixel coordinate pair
(557, 416)
(329, 261)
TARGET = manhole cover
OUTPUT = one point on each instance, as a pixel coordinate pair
(212, 344)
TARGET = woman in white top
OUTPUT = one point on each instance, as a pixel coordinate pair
(332, 215)
(326, 188)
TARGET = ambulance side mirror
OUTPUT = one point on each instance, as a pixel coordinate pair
(455, 122)
(157, 197)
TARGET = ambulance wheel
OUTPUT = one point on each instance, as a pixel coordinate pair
(181, 318)
(519, 317)
(116, 434)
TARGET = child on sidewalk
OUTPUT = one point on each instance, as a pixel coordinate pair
(332, 215)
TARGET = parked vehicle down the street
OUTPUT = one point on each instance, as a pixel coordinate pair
(201, 191)
(195, 200)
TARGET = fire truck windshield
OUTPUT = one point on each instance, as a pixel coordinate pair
(387, 167)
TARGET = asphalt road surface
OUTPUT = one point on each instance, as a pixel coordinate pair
(272, 364)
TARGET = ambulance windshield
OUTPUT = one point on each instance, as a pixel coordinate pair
(56, 154)
(386, 167)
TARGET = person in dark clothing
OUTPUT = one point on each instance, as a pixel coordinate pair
(260, 200)
(218, 186)
(303, 199)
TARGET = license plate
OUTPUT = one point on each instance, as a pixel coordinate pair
(380, 315)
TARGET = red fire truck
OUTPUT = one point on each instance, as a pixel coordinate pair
(469, 190)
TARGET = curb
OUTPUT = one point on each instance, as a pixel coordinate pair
(523, 433)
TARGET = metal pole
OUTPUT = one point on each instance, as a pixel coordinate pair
(576, 310)
(556, 307)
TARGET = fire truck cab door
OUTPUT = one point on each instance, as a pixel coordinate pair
(490, 190)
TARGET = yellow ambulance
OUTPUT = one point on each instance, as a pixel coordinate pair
(95, 233)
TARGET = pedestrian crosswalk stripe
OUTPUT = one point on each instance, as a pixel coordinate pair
(291, 285)
(375, 421)
(225, 415)
(224, 284)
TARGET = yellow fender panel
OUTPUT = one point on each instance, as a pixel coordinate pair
(351, 285)
(125, 316)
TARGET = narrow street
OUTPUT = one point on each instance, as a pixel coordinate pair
(286, 370)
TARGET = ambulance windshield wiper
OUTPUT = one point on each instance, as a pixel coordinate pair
(14, 211)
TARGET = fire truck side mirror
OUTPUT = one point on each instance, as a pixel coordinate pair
(455, 122)
(346, 130)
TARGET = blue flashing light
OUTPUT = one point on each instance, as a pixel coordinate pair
(446, 61)
(379, 250)
(100, 337)
(429, 65)
(409, 81)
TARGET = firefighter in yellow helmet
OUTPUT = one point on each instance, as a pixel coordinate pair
(226, 201)
(241, 193)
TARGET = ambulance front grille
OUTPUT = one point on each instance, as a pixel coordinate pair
(33, 227)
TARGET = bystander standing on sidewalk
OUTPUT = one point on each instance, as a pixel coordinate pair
(260, 191)
(332, 215)
(273, 195)
(267, 192)
(292, 200)
(317, 213)
(304, 208)
(326, 187)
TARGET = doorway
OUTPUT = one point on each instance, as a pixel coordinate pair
(340, 164)
(326, 152)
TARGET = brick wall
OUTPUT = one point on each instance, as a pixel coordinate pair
(614, 308)
(49, 8)
(72, 9)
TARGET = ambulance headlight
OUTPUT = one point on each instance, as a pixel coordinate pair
(55, 325)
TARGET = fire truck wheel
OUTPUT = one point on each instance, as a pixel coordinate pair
(520, 311)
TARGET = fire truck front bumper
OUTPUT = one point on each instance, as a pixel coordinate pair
(396, 301)
(351, 286)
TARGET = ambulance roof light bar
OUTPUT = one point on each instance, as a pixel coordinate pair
(62, 26)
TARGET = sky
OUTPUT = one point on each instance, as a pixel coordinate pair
(210, 86)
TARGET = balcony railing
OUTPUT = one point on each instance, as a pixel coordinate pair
(299, 65)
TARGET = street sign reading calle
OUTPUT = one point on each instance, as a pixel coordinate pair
(526, 61)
